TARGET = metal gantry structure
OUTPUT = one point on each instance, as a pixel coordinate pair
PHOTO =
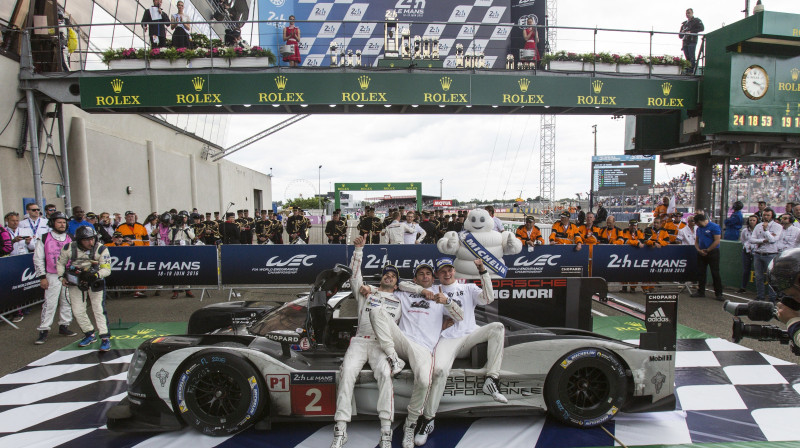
(547, 131)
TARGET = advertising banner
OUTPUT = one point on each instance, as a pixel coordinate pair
(404, 257)
(549, 261)
(278, 264)
(648, 264)
(166, 265)
(18, 284)
(442, 203)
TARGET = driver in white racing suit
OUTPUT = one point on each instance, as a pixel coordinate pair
(364, 347)
(415, 338)
(457, 341)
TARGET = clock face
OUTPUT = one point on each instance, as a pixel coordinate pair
(755, 82)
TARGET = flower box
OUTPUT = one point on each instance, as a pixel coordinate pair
(249, 62)
(666, 70)
(566, 66)
(166, 63)
(640, 69)
(126, 64)
(205, 63)
(601, 67)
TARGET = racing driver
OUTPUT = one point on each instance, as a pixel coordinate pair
(364, 347)
(457, 341)
(415, 338)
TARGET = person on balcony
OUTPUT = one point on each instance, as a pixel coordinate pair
(180, 35)
(155, 22)
(291, 35)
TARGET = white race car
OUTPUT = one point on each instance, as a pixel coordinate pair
(246, 363)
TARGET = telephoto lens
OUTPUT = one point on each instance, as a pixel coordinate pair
(756, 310)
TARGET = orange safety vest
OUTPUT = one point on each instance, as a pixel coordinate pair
(592, 239)
(536, 234)
(560, 235)
(659, 236)
(633, 238)
(611, 236)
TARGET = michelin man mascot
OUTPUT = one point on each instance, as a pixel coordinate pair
(479, 240)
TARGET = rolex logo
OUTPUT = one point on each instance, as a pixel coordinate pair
(363, 82)
(446, 82)
(280, 81)
(795, 74)
(597, 86)
(524, 83)
(145, 331)
(198, 83)
(116, 84)
(666, 88)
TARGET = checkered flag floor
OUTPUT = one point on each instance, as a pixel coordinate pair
(726, 394)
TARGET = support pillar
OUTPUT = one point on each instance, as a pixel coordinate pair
(151, 175)
(723, 192)
(62, 143)
(79, 164)
(193, 177)
(34, 144)
(704, 177)
(223, 205)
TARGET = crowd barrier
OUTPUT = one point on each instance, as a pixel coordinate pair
(246, 265)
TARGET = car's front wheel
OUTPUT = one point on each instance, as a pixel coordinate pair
(586, 387)
(219, 393)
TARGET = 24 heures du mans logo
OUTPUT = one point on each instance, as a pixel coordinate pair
(281, 96)
(198, 82)
(116, 99)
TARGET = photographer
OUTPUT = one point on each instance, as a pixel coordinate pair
(82, 266)
(784, 277)
(181, 235)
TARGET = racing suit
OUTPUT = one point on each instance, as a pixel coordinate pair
(415, 338)
(45, 258)
(73, 255)
(364, 347)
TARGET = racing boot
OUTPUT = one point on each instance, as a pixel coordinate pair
(408, 433)
(490, 387)
(424, 429)
(64, 330)
(395, 364)
(339, 435)
(386, 438)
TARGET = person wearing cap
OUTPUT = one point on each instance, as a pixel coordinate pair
(658, 236)
(364, 347)
(457, 340)
(336, 229)
(210, 233)
(415, 337)
(262, 229)
(590, 233)
(306, 234)
(295, 226)
(565, 232)
(632, 236)
(674, 226)
(276, 230)
(611, 234)
(529, 233)
(370, 227)
(230, 230)
(117, 240)
(133, 231)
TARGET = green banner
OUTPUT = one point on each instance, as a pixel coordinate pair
(276, 87)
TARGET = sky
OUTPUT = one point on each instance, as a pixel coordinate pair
(478, 156)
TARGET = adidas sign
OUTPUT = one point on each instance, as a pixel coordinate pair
(658, 316)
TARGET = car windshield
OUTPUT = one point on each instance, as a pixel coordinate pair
(290, 316)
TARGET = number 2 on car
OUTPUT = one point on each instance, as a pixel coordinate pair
(313, 393)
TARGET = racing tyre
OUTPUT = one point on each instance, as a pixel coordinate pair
(585, 388)
(219, 393)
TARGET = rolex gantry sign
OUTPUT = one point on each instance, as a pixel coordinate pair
(277, 87)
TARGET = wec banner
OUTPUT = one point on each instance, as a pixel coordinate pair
(648, 264)
(166, 265)
(549, 261)
(278, 264)
(18, 283)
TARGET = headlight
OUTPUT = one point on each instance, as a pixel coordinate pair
(137, 364)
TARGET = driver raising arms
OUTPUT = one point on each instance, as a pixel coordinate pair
(364, 347)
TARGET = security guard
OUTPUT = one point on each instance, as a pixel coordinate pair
(336, 229)
(82, 266)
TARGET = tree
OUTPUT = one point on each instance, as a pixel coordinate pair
(305, 203)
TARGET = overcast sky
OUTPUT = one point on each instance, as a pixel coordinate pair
(482, 156)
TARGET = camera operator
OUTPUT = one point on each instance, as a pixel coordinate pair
(160, 234)
(82, 266)
(181, 235)
(784, 277)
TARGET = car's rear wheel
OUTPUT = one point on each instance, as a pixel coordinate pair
(219, 393)
(586, 387)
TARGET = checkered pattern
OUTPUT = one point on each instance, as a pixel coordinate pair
(363, 31)
(726, 393)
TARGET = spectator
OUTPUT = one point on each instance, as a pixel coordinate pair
(155, 22)
(602, 213)
(6, 242)
(764, 239)
(34, 224)
(291, 35)
(747, 251)
(77, 220)
(707, 245)
(48, 210)
(589, 231)
(789, 235)
(674, 226)
(658, 237)
(414, 234)
(105, 228)
(21, 239)
(689, 30)
(529, 233)
(762, 205)
(687, 235)
(733, 225)
(581, 216)
(150, 223)
(117, 240)
(611, 234)
(497, 224)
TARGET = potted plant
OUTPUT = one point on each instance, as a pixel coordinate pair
(123, 58)
(563, 61)
(629, 63)
(600, 62)
(165, 57)
(252, 57)
(668, 65)
(200, 58)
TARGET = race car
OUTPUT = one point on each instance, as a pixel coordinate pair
(248, 363)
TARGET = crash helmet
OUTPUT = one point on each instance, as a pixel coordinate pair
(85, 233)
(784, 270)
(165, 218)
(56, 215)
(183, 213)
(196, 216)
(738, 205)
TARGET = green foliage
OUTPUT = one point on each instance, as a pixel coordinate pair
(304, 203)
(200, 40)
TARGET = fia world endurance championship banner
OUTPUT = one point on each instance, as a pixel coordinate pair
(18, 282)
(167, 265)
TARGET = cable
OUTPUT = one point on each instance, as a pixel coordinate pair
(516, 154)
(613, 437)
(12, 115)
(491, 159)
